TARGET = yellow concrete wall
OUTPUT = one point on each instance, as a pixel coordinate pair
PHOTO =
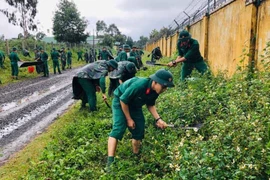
(197, 32)
(229, 34)
(164, 47)
(263, 32)
(226, 37)
(168, 47)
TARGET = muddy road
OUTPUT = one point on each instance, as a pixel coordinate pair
(28, 107)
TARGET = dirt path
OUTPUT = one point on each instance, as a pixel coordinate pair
(28, 107)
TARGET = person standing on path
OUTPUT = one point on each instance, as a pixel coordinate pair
(55, 58)
(2, 59)
(63, 59)
(188, 53)
(14, 58)
(80, 53)
(44, 58)
(128, 100)
(69, 59)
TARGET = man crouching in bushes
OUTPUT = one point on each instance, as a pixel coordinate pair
(128, 100)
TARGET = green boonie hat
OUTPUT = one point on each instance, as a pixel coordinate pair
(163, 77)
(126, 46)
(131, 68)
(40, 48)
(14, 49)
(185, 34)
(113, 64)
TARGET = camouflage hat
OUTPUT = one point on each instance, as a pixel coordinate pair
(163, 77)
(113, 64)
(131, 68)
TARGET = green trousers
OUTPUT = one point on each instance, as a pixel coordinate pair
(63, 62)
(56, 65)
(14, 69)
(89, 93)
(69, 61)
(120, 122)
(45, 68)
(80, 58)
(188, 67)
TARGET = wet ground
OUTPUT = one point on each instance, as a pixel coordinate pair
(28, 107)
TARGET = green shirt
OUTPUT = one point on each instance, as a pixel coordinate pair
(2, 55)
(104, 55)
(191, 52)
(69, 54)
(44, 56)
(137, 92)
(80, 53)
(133, 53)
(55, 55)
(14, 58)
(121, 72)
(122, 56)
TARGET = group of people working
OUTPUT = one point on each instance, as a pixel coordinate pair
(130, 93)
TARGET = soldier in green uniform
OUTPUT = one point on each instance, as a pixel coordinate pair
(133, 53)
(39, 68)
(14, 58)
(156, 54)
(69, 59)
(44, 58)
(120, 49)
(124, 55)
(89, 79)
(80, 54)
(140, 53)
(104, 54)
(63, 59)
(133, 59)
(128, 100)
(86, 56)
(2, 59)
(188, 53)
(125, 71)
(55, 58)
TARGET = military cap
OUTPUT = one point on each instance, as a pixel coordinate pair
(131, 68)
(163, 77)
(113, 63)
(126, 46)
(185, 34)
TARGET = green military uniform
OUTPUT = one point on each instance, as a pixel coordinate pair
(140, 53)
(125, 71)
(63, 60)
(104, 55)
(133, 53)
(55, 58)
(135, 93)
(80, 53)
(2, 59)
(156, 54)
(133, 59)
(86, 56)
(44, 58)
(123, 56)
(14, 58)
(189, 48)
(85, 82)
(69, 59)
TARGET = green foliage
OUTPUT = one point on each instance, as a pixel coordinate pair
(129, 41)
(232, 144)
(68, 26)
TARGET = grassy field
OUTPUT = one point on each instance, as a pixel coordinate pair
(232, 144)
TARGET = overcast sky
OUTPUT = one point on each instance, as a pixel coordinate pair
(133, 18)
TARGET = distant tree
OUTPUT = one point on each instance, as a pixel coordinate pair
(108, 40)
(142, 41)
(129, 41)
(121, 38)
(154, 33)
(2, 37)
(40, 35)
(68, 26)
(113, 30)
(20, 36)
(101, 27)
(23, 16)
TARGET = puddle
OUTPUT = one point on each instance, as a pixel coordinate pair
(27, 117)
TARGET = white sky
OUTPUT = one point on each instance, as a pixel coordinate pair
(133, 18)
